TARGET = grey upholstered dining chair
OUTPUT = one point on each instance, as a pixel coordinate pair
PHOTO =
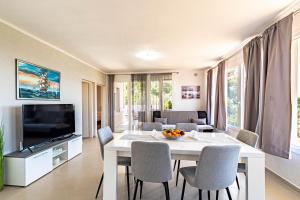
(149, 126)
(247, 137)
(186, 127)
(105, 135)
(216, 170)
(151, 162)
(250, 138)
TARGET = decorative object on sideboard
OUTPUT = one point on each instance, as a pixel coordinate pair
(190, 92)
(36, 82)
(1, 156)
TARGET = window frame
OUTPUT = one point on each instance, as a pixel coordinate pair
(295, 84)
(161, 95)
(241, 95)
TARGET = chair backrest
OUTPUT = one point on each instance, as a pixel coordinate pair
(187, 127)
(150, 126)
(217, 167)
(151, 161)
(105, 135)
(248, 137)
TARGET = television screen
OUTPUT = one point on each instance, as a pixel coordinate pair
(44, 122)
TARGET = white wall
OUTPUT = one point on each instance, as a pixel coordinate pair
(14, 44)
(287, 169)
(186, 78)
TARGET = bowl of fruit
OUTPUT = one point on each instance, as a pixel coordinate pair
(173, 134)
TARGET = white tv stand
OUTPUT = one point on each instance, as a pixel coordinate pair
(23, 168)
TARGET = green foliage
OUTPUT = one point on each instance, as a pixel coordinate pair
(167, 95)
(167, 89)
(126, 98)
(168, 105)
(138, 92)
(154, 88)
(1, 156)
(233, 100)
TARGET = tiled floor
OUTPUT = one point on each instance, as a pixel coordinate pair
(78, 179)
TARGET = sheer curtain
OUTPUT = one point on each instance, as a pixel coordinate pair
(111, 100)
(150, 92)
(139, 99)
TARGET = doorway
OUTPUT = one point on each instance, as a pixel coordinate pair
(99, 107)
(88, 109)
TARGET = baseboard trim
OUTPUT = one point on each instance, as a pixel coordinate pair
(284, 180)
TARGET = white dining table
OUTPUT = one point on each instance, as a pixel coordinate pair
(188, 147)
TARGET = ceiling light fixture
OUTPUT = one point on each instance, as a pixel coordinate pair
(149, 55)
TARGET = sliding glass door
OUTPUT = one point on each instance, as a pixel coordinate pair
(122, 101)
(137, 95)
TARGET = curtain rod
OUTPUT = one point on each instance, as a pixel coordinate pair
(130, 73)
(297, 11)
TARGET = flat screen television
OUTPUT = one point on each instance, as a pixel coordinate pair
(46, 122)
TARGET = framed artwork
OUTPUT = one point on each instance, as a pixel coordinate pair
(190, 92)
(36, 82)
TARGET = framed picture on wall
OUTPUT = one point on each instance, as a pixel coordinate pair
(190, 92)
(36, 82)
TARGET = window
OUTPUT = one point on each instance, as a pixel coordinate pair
(233, 96)
(167, 94)
(296, 93)
(155, 95)
(213, 94)
(161, 92)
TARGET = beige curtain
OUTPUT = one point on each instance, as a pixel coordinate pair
(252, 61)
(220, 109)
(276, 118)
(209, 94)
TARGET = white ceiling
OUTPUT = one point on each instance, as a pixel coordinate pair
(108, 33)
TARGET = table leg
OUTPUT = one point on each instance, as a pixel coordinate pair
(110, 175)
(255, 180)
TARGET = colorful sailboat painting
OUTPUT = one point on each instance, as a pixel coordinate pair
(36, 82)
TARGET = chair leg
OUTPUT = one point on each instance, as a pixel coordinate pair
(99, 186)
(217, 195)
(183, 188)
(166, 186)
(237, 182)
(174, 165)
(208, 194)
(135, 188)
(128, 183)
(178, 166)
(200, 194)
(228, 193)
(141, 189)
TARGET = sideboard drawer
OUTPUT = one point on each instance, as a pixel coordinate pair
(38, 165)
